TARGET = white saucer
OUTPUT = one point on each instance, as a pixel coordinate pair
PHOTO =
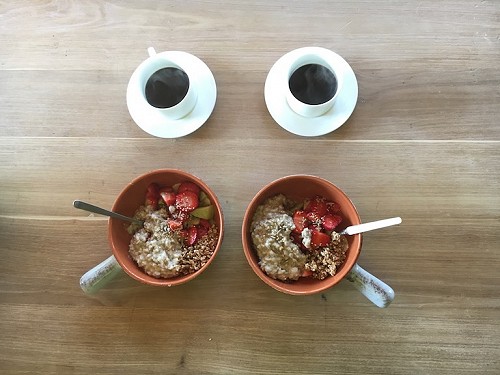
(154, 122)
(277, 82)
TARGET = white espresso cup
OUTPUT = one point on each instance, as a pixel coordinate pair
(313, 85)
(164, 84)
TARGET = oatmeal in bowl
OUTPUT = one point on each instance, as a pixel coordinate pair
(290, 234)
(181, 233)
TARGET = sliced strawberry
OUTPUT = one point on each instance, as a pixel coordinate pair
(189, 186)
(168, 195)
(319, 239)
(330, 221)
(313, 217)
(186, 201)
(205, 224)
(300, 221)
(153, 189)
(297, 239)
(333, 207)
(317, 205)
(152, 195)
(191, 236)
(306, 273)
(174, 224)
(202, 231)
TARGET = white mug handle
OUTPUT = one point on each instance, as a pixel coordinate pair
(371, 287)
(151, 52)
(100, 275)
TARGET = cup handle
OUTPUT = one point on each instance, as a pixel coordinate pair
(97, 277)
(151, 52)
(372, 288)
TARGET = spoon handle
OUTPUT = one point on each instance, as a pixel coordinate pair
(372, 288)
(355, 229)
(101, 211)
(97, 277)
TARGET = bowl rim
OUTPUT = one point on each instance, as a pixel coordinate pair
(316, 286)
(136, 273)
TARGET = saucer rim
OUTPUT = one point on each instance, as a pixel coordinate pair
(154, 122)
(296, 124)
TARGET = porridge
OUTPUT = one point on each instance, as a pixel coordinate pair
(294, 240)
(178, 236)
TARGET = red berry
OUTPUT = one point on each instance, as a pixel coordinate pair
(174, 224)
(319, 239)
(317, 205)
(306, 273)
(202, 231)
(333, 207)
(300, 221)
(330, 222)
(168, 196)
(189, 186)
(205, 224)
(186, 201)
(191, 236)
(152, 195)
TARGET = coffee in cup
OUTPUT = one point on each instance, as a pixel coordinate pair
(312, 86)
(167, 87)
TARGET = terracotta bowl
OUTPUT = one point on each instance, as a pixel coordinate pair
(129, 200)
(300, 187)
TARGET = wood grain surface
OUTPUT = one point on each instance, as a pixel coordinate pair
(423, 143)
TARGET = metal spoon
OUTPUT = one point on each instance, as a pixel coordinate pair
(365, 227)
(101, 211)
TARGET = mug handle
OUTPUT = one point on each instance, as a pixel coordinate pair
(371, 287)
(151, 52)
(97, 277)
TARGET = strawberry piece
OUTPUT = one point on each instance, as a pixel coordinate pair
(330, 221)
(297, 239)
(313, 217)
(319, 239)
(186, 201)
(152, 195)
(333, 207)
(306, 273)
(189, 186)
(317, 205)
(205, 224)
(191, 236)
(174, 224)
(202, 231)
(153, 189)
(168, 197)
(300, 221)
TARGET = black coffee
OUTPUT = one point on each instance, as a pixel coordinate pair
(166, 87)
(313, 84)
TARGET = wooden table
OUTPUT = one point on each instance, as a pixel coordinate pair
(423, 143)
